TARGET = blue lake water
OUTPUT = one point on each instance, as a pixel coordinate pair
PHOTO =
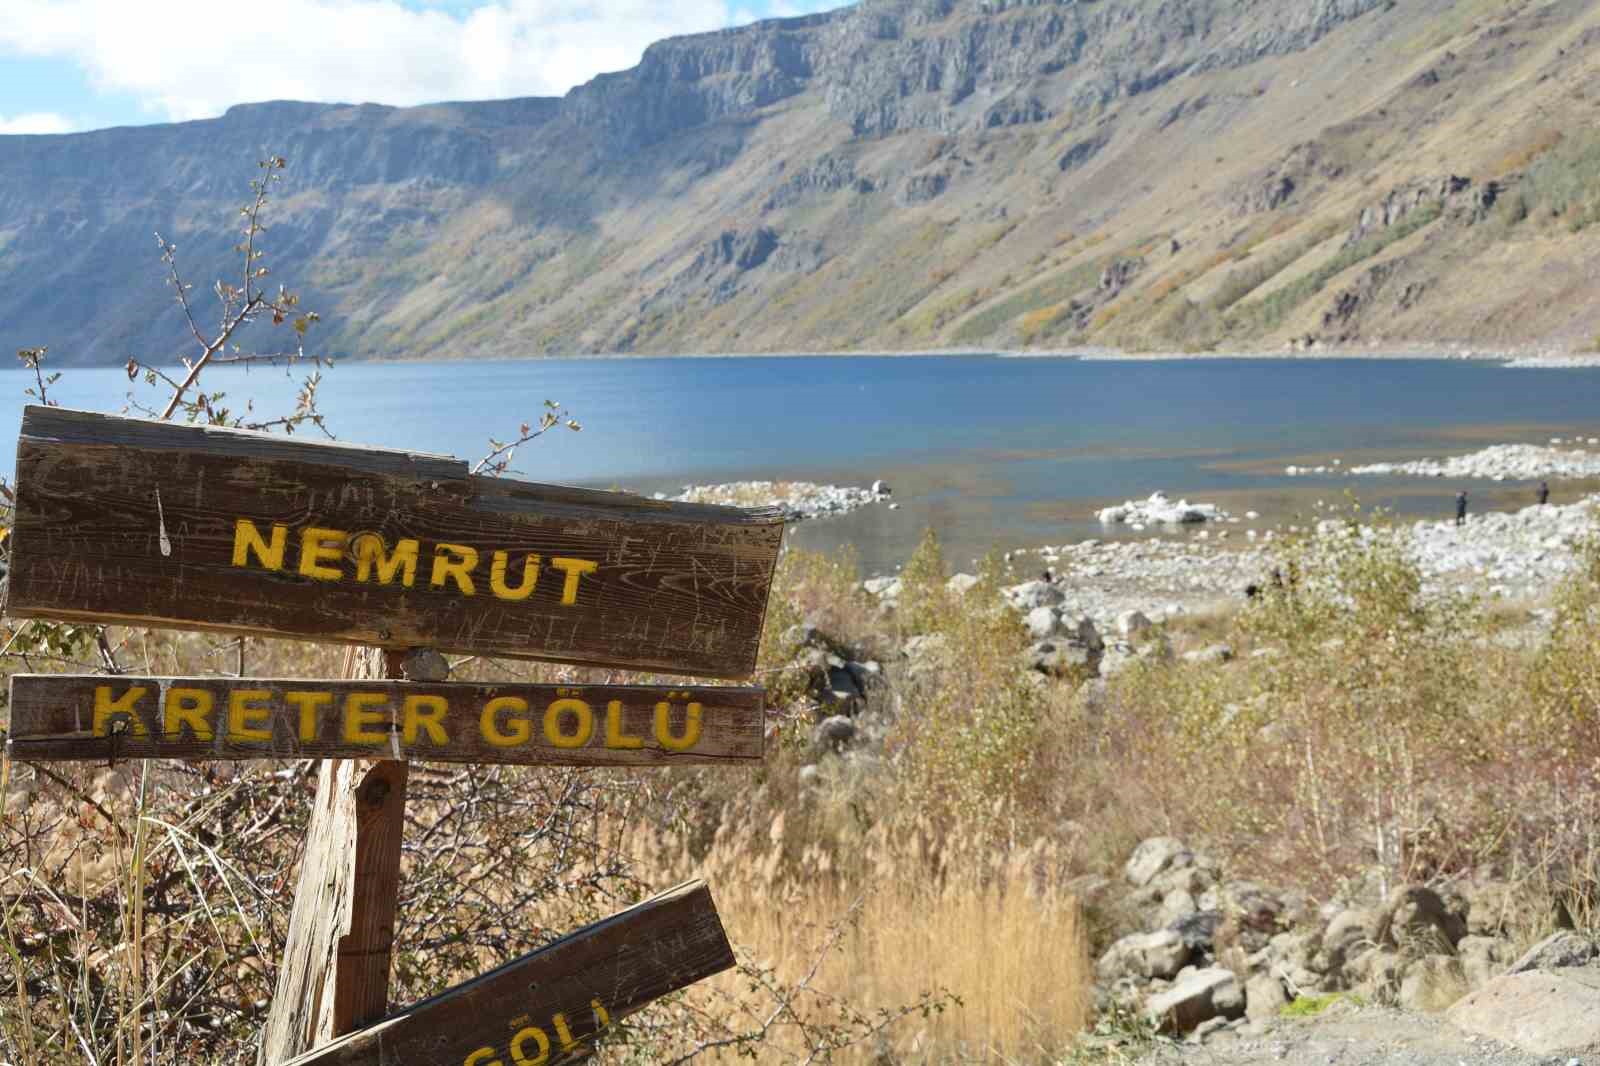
(992, 452)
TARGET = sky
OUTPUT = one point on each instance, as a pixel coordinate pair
(71, 65)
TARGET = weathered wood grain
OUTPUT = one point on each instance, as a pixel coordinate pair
(127, 520)
(361, 984)
(86, 717)
(302, 1003)
(548, 1007)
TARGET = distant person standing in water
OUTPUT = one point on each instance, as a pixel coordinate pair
(1544, 493)
(1461, 508)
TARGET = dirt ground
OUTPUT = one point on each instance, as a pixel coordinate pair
(1346, 1035)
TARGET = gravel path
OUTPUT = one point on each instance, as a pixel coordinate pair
(1354, 1036)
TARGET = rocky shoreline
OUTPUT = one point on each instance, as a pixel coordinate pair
(1513, 557)
(799, 499)
(1498, 462)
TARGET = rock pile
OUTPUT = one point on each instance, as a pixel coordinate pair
(1201, 951)
(800, 499)
(845, 699)
(1500, 462)
(1159, 510)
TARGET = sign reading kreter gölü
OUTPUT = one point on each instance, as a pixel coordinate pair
(56, 717)
(121, 519)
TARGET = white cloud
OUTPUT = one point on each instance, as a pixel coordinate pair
(194, 58)
(35, 122)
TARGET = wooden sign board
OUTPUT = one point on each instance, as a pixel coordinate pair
(548, 1007)
(127, 520)
(55, 717)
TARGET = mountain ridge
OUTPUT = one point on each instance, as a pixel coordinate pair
(898, 174)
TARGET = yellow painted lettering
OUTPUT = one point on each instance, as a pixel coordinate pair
(497, 577)
(615, 737)
(552, 724)
(319, 546)
(372, 556)
(105, 707)
(244, 710)
(691, 727)
(308, 703)
(534, 1033)
(424, 713)
(484, 1056)
(574, 569)
(520, 730)
(459, 567)
(247, 539)
(363, 709)
(187, 707)
(564, 1034)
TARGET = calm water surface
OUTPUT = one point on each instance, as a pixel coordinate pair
(992, 452)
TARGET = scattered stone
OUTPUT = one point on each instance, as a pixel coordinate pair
(1159, 510)
(835, 731)
(1153, 857)
(1198, 928)
(1557, 951)
(1482, 958)
(1264, 997)
(1432, 983)
(961, 584)
(1196, 997)
(799, 499)
(1133, 623)
(1545, 1013)
(1525, 462)
(1153, 955)
(1417, 915)
(1214, 653)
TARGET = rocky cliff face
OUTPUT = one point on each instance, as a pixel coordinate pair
(900, 173)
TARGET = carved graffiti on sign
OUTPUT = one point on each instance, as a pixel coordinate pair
(120, 519)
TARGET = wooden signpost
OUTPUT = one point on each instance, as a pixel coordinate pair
(547, 1007)
(103, 718)
(123, 520)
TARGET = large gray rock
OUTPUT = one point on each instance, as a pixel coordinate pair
(1557, 951)
(1160, 954)
(1196, 997)
(1154, 857)
(1542, 1012)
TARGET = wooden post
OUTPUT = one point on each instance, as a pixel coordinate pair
(335, 972)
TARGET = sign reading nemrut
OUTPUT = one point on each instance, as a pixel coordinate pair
(120, 519)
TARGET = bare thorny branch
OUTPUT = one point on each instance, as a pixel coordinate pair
(238, 306)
